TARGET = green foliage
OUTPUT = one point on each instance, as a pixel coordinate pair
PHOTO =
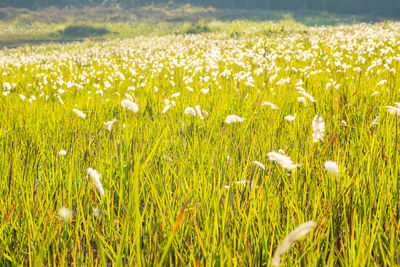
(4, 14)
(197, 29)
(78, 31)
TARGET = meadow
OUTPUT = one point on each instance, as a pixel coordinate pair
(203, 149)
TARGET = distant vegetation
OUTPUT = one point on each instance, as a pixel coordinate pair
(19, 26)
(376, 7)
(197, 28)
(83, 31)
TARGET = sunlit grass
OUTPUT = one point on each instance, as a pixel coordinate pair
(187, 189)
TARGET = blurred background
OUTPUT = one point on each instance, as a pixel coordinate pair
(377, 7)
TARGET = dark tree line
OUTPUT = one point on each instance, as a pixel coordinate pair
(376, 7)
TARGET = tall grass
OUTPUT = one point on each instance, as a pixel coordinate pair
(181, 190)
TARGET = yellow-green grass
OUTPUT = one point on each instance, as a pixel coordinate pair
(166, 175)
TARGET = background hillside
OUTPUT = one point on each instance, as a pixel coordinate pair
(376, 7)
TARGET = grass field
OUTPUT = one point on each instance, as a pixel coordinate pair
(125, 152)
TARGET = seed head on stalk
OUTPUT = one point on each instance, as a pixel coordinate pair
(293, 236)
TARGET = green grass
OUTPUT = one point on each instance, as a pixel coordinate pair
(164, 174)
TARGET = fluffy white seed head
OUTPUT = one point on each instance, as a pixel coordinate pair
(7, 86)
(302, 100)
(96, 212)
(269, 104)
(332, 167)
(110, 123)
(175, 95)
(166, 108)
(375, 121)
(293, 236)
(79, 113)
(65, 214)
(304, 93)
(204, 90)
(198, 110)
(233, 118)
(130, 105)
(393, 110)
(60, 99)
(290, 117)
(318, 126)
(96, 180)
(382, 82)
(283, 160)
(259, 164)
(62, 152)
(246, 183)
(190, 110)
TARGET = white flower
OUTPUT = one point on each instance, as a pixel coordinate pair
(282, 160)
(62, 152)
(375, 121)
(175, 95)
(190, 110)
(393, 110)
(245, 183)
(302, 100)
(60, 99)
(259, 164)
(97, 212)
(7, 86)
(303, 92)
(65, 214)
(96, 180)
(110, 123)
(120, 75)
(233, 118)
(318, 126)
(382, 82)
(168, 105)
(266, 103)
(332, 167)
(290, 117)
(198, 110)
(166, 108)
(107, 84)
(128, 96)
(204, 90)
(293, 236)
(375, 93)
(130, 105)
(79, 113)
